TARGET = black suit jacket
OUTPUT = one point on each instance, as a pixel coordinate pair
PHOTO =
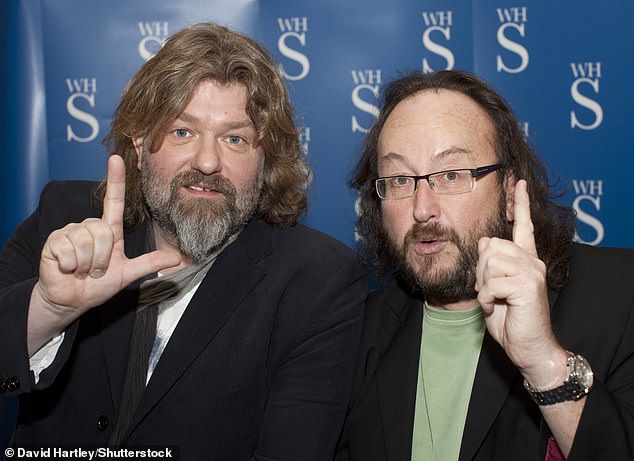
(592, 315)
(259, 366)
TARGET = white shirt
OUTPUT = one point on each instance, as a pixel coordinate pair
(167, 320)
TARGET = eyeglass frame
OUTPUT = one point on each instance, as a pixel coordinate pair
(475, 174)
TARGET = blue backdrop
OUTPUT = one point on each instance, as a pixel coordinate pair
(565, 67)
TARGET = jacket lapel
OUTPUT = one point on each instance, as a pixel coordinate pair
(494, 379)
(228, 282)
(397, 374)
(495, 376)
(117, 320)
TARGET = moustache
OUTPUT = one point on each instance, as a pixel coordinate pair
(429, 233)
(212, 183)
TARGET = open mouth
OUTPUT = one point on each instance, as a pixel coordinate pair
(429, 239)
(429, 246)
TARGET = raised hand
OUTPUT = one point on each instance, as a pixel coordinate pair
(512, 290)
(84, 264)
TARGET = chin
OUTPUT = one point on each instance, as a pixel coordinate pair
(431, 265)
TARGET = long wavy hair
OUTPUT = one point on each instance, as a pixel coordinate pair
(553, 223)
(161, 89)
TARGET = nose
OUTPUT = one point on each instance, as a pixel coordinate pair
(426, 206)
(207, 157)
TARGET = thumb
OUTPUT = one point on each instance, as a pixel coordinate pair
(149, 263)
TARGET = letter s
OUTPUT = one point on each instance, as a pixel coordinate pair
(512, 46)
(144, 51)
(589, 219)
(82, 116)
(587, 103)
(364, 105)
(294, 55)
(438, 49)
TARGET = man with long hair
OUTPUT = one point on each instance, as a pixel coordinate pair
(179, 303)
(494, 336)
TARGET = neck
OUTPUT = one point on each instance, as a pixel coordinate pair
(462, 305)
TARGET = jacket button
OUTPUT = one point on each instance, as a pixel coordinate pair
(13, 384)
(102, 423)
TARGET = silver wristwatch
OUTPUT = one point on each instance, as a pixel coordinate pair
(578, 384)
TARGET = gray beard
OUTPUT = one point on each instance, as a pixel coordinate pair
(198, 226)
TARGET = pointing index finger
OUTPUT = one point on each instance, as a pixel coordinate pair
(114, 200)
(523, 230)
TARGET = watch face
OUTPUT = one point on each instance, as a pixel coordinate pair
(583, 372)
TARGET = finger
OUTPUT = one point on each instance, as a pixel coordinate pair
(486, 303)
(497, 289)
(491, 249)
(103, 242)
(149, 263)
(487, 297)
(483, 244)
(114, 200)
(523, 231)
(496, 292)
(83, 242)
(59, 250)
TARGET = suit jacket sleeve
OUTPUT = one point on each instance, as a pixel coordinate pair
(602, 310)
(19, 267)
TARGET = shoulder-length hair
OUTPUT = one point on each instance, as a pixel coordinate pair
(554, 224)
(161, 89)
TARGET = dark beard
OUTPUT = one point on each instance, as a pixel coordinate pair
(447, 285)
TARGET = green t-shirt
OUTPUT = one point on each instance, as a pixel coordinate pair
(450, 347)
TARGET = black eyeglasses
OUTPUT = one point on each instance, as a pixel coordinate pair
(444, 182)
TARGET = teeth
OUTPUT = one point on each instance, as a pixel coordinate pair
(199, 189)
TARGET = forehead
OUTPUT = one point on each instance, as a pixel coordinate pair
(435, 128)
(215, 95)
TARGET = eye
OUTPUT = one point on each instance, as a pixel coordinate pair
(181, 133)
(235, 140)
(400, 181)
(451, 176)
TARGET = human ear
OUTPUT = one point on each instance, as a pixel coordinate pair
(138, 147)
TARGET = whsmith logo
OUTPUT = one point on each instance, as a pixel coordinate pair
(153, 36)
(586, 74)
(367, 83)
(513, 23)
(294, 32)
(588, 191)
(79, 103)
(439, 23)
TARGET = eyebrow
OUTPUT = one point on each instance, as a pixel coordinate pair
(231, 124)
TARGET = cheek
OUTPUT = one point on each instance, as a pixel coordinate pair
(396, 220)
(167, 165)
(244, 171)
(471, 215)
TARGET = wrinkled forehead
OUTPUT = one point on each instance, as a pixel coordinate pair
(436, 129)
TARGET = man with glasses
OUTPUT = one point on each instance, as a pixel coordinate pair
(494, 337)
